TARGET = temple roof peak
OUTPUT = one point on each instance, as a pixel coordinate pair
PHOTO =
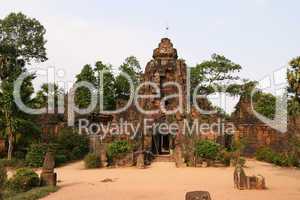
(165, 50)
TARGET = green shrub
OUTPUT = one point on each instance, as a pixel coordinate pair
(36, 154)
(91, 160)
(33, 194)
(118, 148)
(72, 145)
(293, 160)
(60, 159)
(280, 160)
(268, 155)
(207, 149)
(265, 154)
(24, 180)
(13, 163)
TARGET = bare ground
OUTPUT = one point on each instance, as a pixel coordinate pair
(163, 181)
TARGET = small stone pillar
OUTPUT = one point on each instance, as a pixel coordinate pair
(48, 177)
(201, 195)
(140, 160)
(240, 178)
(103, 155)
(179, 160)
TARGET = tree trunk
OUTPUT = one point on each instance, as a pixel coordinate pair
(10, 144)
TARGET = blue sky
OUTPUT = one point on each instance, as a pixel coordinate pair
(261, 35)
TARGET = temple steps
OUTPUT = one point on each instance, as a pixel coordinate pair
(163, 158)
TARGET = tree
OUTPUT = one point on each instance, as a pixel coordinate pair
(93, 76)
(108, 84)
(213, 74)
(132, 67)
(83, 95)
(265, 104)
(21, 42)
(25, 35)
(42, 96)
(293, 77)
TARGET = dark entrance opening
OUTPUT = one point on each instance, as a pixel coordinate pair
(228, 141)
(161, 144)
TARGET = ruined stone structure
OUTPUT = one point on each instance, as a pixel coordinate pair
(244, 182)
(256, 133)
(48, 176)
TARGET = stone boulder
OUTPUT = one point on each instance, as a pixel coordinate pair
(197, 195)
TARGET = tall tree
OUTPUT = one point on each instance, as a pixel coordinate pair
(21, 42)
(93, 75)
(293, 77)
(42, 96)
(83, 95)
(213, 74)
(132, 67)
(108, 84)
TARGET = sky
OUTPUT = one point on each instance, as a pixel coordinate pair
(260, 35)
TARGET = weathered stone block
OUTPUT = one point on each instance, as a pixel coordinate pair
(197, 195)
(140, 161)
(124, 161)
(240, 178)
(243, 182)
(48, 179)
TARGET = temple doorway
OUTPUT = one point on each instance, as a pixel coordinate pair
(161, 144)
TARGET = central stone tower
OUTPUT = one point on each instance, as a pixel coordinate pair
(163, 68)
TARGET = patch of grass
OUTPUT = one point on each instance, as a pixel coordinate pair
(33, 194)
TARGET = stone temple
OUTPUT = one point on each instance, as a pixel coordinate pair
(165, 67)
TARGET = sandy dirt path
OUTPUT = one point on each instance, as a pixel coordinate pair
(163, 181)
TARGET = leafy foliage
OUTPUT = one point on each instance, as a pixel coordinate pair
(108, 84)
(33, 194)
(83, 95)
(36, 154)
(91, 160)
(265, 104)
(268, 155)
(207, 149)
(24, 180)
(132, 67)
(264, 154)
(21, 41)
(213, 74)
(118, 148)
(13, 163)
(25, 34)
(293, 77)
(94, 76)
(70, 146)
